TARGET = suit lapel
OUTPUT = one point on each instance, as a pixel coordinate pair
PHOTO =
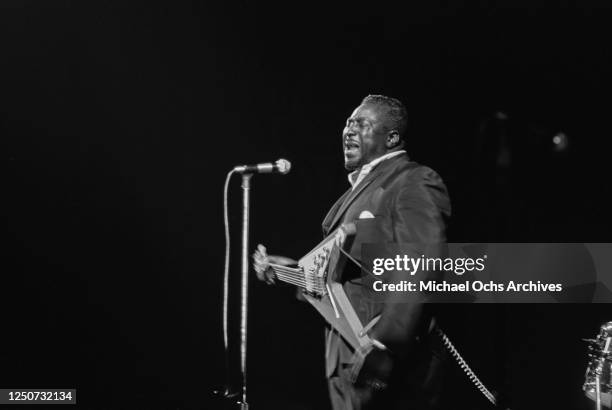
(360, 188)
(350, 198)
(327, 222)
(352, 195)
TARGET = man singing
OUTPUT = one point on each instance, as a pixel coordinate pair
(391, 200)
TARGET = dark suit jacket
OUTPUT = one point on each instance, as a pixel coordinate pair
(410, 205)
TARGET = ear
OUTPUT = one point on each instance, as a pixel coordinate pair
(393, 139)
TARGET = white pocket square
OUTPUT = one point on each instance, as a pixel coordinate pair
(366, 215)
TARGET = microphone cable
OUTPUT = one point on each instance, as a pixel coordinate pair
(225, 302)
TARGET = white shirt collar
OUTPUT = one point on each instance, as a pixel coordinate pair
(358, 175)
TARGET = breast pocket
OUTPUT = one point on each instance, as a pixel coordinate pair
(370, 230)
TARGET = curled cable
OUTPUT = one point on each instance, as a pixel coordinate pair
(466, 368)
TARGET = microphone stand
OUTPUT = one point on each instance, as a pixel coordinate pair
(281, 166)
(244, 296)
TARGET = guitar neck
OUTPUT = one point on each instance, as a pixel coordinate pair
(293, 276)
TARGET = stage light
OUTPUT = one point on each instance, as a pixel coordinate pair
(560, 142)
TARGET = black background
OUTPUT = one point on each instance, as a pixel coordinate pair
(120, 119)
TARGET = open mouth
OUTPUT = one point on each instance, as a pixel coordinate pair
(350, 146)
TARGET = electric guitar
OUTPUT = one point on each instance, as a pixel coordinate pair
(317, 274)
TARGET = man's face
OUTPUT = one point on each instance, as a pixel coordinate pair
(364, 137)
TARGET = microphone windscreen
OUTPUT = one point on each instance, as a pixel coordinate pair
(283, 166)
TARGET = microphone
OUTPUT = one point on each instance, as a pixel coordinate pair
(282, 166)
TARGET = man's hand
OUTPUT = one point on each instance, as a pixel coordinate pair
(262, 261)
(372, 368)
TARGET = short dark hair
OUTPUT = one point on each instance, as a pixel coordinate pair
(394, 110)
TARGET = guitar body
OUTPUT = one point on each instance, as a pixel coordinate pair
(346, 322)
(319, 270)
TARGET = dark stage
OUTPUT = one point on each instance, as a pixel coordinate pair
(120, 120)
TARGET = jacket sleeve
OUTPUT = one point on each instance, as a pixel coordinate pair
(419, 209)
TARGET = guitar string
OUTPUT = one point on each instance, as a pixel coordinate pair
(286, 268)
(301, 285)
(289, 271)
(292, 280)
(315, 288)
(292, 272)
(297, 277)
(314, 285)
(300, 281)
(300, 277)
